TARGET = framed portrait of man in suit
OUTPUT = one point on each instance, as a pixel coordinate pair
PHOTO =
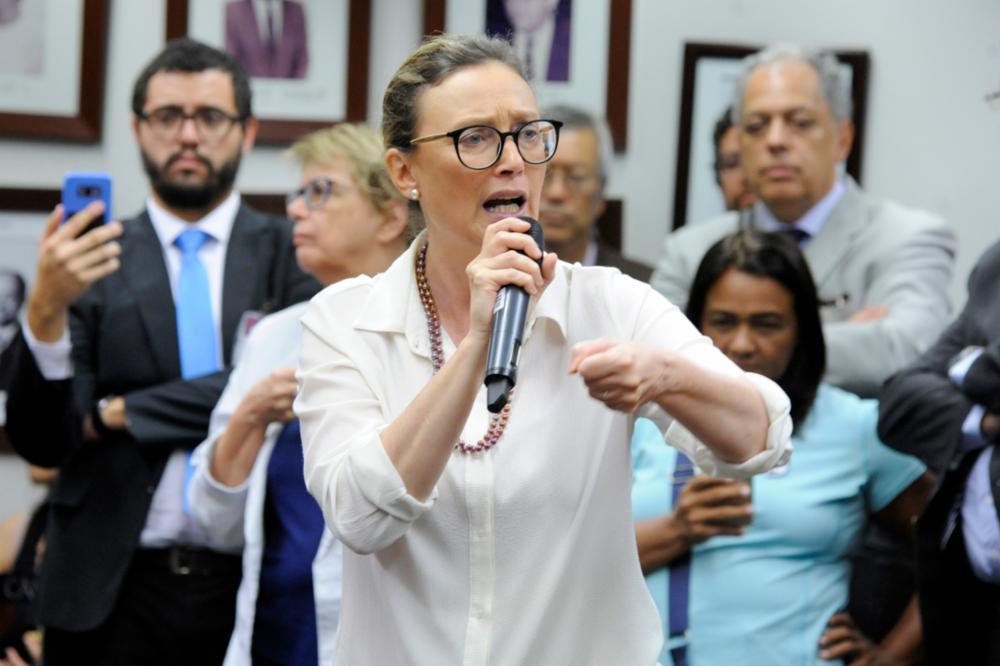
(52, 68)
(573, 52)
(710, 73)
(307, 59)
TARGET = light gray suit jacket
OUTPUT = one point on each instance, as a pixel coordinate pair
(868, 253)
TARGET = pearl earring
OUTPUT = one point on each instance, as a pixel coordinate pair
(414, 194)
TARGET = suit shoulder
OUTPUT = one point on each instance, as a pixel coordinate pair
(902, 219)
(700, 236)
(248, 215)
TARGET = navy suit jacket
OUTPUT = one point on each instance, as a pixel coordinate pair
(124, 336)
(921, 413)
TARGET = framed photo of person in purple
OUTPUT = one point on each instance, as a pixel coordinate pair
(539, 30)
(268, 37)
(307, 59)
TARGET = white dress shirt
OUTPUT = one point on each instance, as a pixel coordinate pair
(166, 521)
(233, 518)
(980, 528)
(522, 554)
(276, 8)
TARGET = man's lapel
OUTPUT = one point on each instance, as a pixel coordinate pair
(248, 251)
(835, 240)
(145, 275)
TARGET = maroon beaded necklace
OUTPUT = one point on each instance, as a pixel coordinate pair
(498, 422)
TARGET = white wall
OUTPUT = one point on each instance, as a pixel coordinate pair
(931, 141)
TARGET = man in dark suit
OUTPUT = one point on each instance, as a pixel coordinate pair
(573, 194)
(103, 387)
(945, 408)
(268, 37)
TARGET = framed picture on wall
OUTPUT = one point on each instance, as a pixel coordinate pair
(707, 85)
(52, 58)
(307, 59)
(573, 51)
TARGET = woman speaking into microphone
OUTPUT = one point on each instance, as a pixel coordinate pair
(499, 538)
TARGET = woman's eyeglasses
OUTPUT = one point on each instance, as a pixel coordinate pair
(480, 146)
(315, 193)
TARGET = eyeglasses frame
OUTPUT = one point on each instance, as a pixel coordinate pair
(456, 133)
(233, 119)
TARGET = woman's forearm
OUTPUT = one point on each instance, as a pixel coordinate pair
(905, 642)
(726, 413)
(660, 541)
(235, 452)
(419, 441)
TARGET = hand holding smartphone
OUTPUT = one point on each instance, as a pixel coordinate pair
(71, 257)
(80, 188)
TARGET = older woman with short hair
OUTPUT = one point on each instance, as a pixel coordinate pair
(506, 539)
(248, 490)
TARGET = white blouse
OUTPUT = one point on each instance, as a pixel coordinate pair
(525, 553)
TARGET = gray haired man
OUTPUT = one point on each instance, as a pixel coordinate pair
(882, 270)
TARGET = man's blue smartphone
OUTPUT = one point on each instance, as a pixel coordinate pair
(82, 187)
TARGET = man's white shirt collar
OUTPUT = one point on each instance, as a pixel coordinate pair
(813, 220)
(218, 223)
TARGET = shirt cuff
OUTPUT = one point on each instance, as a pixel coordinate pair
(972, 429)
(965, 359)
(217, 509)
(777, 447)
(54, 359)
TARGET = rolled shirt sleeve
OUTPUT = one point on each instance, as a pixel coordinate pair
(364, 500)
(660, 323)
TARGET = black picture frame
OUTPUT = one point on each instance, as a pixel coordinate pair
(696, 53)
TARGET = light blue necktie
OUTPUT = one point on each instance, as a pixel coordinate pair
(195, 324)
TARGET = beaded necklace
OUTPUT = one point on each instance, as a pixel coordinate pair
(498, 422)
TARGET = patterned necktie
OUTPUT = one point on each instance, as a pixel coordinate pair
(195, 323)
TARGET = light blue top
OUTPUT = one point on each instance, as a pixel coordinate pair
(765, 597)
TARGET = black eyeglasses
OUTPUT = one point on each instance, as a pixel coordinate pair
(316, 192)
(211, 123)
(480, 146)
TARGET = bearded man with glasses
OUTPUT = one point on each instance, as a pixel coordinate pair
(128, 343)
(573, 194)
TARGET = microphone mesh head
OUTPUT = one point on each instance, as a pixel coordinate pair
(535, 231)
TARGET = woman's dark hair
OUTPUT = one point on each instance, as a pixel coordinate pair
(775, 256)
(190, 56)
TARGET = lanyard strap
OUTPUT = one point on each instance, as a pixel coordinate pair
(679, 576)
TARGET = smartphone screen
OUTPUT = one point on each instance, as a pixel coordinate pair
(80, 188)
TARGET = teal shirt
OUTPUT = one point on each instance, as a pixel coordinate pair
(765, 597)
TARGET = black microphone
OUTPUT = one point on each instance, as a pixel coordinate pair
(509, 314)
